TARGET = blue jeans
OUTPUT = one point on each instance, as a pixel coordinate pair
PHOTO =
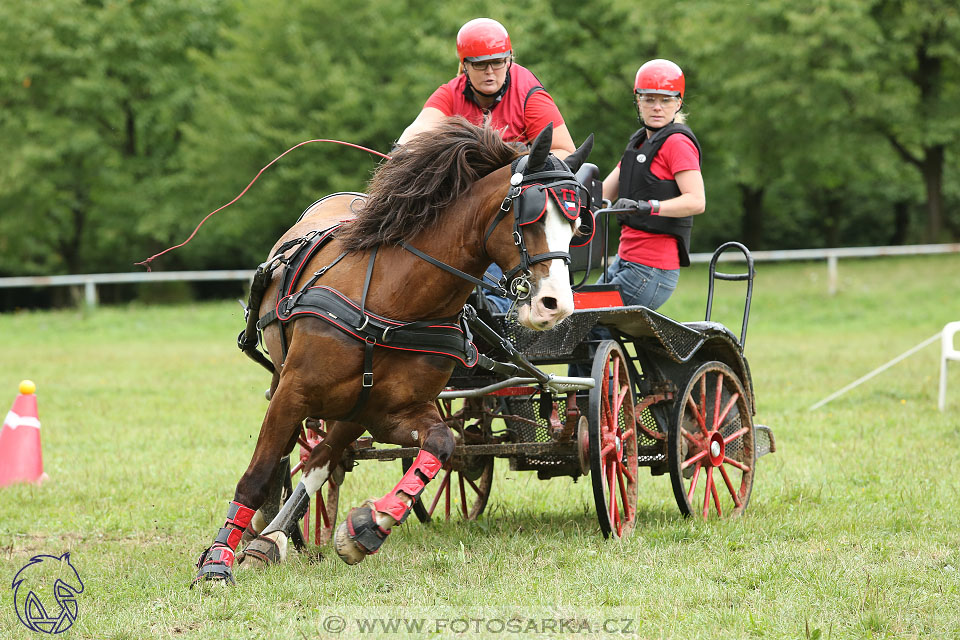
(639, 285)
(642, 285)
(502, 305)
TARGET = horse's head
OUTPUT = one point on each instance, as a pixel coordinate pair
(549, 207)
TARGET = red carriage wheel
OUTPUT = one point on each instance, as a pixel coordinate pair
(612, 442)
(463, 486)
(710, 445)
(325, 503)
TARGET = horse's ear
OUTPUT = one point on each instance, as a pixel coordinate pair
(540, 148)
(576, 159)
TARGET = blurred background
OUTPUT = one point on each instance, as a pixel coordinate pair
(824, 123)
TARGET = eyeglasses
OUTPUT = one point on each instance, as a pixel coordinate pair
(496, 64)
(649, 100)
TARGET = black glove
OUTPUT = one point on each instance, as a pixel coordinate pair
(630, 209)
(632, 206)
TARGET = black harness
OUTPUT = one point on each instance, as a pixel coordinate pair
(449, 337)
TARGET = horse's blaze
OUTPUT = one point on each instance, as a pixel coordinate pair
(552, 300)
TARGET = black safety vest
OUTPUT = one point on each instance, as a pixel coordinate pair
(637, 182)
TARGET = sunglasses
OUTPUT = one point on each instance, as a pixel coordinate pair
(496, 65)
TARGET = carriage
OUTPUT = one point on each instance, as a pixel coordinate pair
(675, 397)
(640, 389)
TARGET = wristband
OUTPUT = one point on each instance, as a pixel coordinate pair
(654, 207)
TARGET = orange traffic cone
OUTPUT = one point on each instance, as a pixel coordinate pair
(20, 456)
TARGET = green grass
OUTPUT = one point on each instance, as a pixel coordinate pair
(150, 413)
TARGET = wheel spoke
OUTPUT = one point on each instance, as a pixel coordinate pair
(736, 434)
(698, 415)
(436, 498)
(694, 458)
(706, 492)
(623, 490)
(446, 498)
(716, 402)
(726, 409)
(322, 510)
(736, 463)
(463, 496)
(615, 382)
(606, 451)
(716, 498)
(473, 486)
(689, 436)
(693, 482)
(733, 493)
(703, 401)
(612, 492)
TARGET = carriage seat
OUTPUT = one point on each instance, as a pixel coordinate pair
(597, 296)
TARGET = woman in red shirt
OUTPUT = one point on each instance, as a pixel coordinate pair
(659, 186)
(492, 87)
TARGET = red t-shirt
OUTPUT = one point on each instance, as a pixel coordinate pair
(659, 250)
(509, 116)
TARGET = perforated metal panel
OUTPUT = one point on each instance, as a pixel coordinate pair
(530, 427)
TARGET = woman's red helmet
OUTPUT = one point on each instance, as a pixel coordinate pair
(483, 39)
(659, 76)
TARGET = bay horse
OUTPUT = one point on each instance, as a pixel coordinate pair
(406, 256)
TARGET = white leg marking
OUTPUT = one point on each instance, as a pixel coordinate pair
(314, 479)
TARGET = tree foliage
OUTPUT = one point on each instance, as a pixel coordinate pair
(125, 121)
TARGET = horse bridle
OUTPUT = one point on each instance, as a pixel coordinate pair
(516, 283)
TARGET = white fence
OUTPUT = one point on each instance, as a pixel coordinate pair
(90, 281)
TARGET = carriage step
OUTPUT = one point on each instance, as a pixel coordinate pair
(764, 440)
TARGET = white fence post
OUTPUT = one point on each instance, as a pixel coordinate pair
(90, 294)
(832, 274)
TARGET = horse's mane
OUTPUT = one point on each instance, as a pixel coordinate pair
(424, 176)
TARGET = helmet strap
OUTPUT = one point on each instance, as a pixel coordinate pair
(471, 92)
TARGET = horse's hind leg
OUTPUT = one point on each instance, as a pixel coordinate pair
(270, 545)
(367, 526)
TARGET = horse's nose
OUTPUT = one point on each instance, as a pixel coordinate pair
(551, 310)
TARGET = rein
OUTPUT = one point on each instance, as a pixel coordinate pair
(146, 263)
(510, 285)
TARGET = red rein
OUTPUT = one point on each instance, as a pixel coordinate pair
(147, 262)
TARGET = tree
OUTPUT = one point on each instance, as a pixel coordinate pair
(91, 123)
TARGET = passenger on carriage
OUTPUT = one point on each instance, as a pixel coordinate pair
(659, 184)
(491, 87)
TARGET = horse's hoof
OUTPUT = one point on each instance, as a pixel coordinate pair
(264, 550)
(347, 549)
(361, 535)
(214, 565)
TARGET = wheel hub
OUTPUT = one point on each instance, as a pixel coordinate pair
(716, 449)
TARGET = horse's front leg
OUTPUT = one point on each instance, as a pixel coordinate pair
(270, 546)
(367, 526)
(277, 436)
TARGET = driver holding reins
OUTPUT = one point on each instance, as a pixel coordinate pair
(491, 86)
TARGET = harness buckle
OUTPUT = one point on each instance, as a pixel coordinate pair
(517, 238)
(367, 380)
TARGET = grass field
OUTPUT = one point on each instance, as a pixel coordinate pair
(853, 531)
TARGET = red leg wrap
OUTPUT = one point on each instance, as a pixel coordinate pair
(239, 515)
(426, 465)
